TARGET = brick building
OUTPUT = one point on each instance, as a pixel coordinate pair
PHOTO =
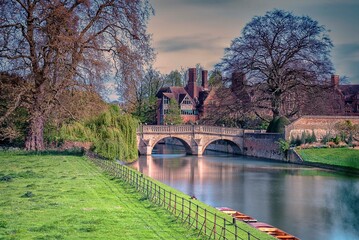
(189, 98)
(346, 98)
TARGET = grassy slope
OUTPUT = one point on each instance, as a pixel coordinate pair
(243, 227)
(343, 157)
(72, 199)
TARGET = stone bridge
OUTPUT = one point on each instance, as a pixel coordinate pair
(195, 138)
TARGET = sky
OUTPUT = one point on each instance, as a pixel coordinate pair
(187, 32)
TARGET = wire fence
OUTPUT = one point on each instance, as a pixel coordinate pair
(206, 222)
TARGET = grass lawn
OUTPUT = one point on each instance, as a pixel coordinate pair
(343, 157)
(68, 197)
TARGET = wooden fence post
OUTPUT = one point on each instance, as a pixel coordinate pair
(235, 229)
(189, 214)
(205, 221)
(175, 203)
(214, 225)
(182, 207)
(196, 216)
(169, 202)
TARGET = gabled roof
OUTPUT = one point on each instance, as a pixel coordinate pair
(349, 91)
(183, 96)
(169, 95)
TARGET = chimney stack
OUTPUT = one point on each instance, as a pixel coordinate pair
(335, 80)
(205, 79)
(192, 85)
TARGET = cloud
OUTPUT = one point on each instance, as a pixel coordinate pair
(194, 42)
(346, 60)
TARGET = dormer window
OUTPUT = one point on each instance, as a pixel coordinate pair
(186, 100)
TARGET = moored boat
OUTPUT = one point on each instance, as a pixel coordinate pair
(275, 232)
(237, 215)
(264, 227)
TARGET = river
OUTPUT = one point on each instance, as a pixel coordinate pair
(310, 203)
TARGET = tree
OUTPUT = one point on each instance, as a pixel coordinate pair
(145, 100)
(174, 113)
(57, 45)
(12, 121)
(174, 78)
(215, 78)
(281, 54)
(347, 130)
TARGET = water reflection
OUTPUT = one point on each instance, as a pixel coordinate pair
(309, 203)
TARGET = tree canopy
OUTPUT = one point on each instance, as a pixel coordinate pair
(281, 55)
(173, 117)
(58, 45)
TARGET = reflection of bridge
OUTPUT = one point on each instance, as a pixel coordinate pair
(195, 138)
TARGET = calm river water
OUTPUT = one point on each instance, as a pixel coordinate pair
(309, 203)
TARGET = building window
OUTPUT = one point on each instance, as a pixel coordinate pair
(166, 100)
(165, 111)
(189, 112)
(186, 101)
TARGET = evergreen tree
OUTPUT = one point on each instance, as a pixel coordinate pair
(174, 113)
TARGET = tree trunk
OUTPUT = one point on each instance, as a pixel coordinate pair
(35, 137)
(276, 105)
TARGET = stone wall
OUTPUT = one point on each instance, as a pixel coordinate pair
(262, 145)
(321, 125)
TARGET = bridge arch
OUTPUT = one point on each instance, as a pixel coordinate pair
(232, 147)
(195, 138)
(185, 143)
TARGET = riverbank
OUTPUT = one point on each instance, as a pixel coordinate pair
(66, 196)
(340, 159)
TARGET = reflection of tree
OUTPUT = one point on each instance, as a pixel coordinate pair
(348, 206)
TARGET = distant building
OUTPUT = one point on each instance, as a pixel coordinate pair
(346, 98)
(190, 98)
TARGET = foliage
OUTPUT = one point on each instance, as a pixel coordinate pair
(283, 146)
(215, 78)
(326, 138)
(13, 114)
(174, 78)
(112, 133)
(73, 199)
(58, 45)
(139, 95)
(303, 139)
(347, 130)
(344, 157)
(282, 56)
(277, 125)
(174, 113)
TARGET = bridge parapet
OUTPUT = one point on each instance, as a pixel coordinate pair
(193, 129)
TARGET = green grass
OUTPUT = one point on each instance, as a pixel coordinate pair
(68, 197)
(342, 157)
(164, 200)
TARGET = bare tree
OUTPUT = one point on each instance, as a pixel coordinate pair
(57, 45)
(142, 101)
(280, 54)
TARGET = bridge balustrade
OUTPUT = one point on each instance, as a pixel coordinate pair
(153, 129)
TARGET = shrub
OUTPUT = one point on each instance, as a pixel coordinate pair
(112, 133)
(277, 125)
(313, 138)
(283, 146)
(326, 138)
(336, 140)
(303, 138)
